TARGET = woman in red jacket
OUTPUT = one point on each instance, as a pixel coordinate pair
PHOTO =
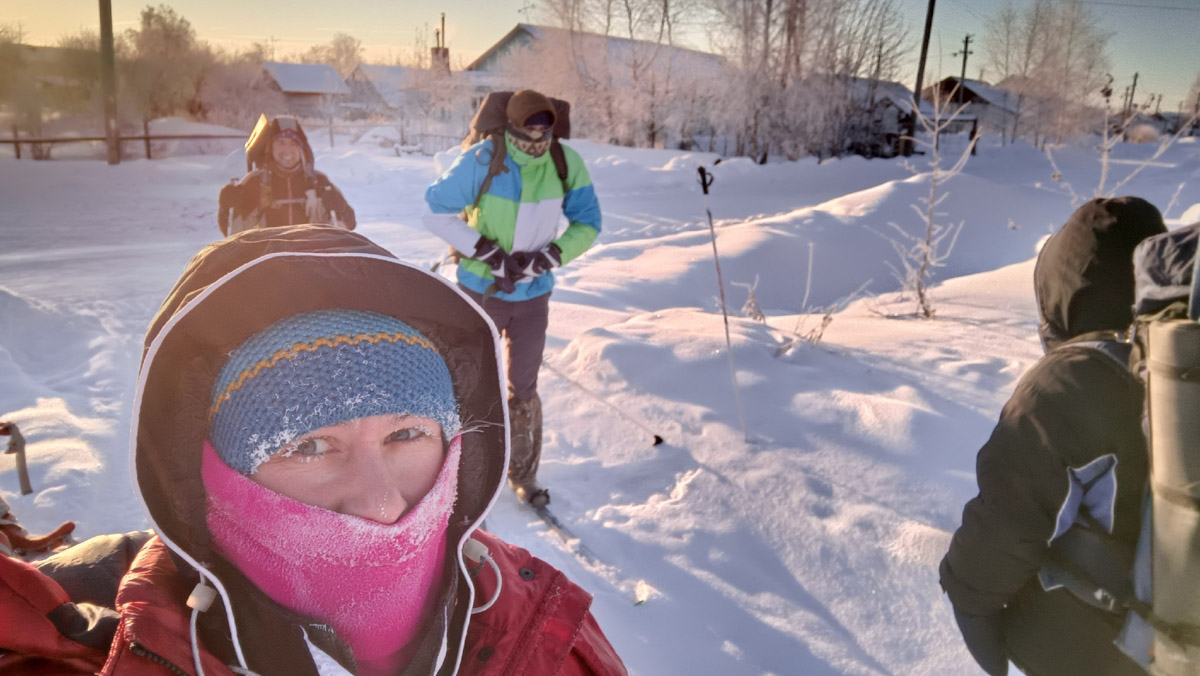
(319, 432)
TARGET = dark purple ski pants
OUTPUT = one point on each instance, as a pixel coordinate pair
(523, 326)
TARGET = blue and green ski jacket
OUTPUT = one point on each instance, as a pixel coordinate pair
(523, 210)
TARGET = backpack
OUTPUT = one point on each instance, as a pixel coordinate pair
(1157, 585)
(258, 145)
(490, 121)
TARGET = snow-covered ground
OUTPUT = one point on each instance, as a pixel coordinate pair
(812, 549)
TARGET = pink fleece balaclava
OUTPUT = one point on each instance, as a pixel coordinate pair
(373, 583)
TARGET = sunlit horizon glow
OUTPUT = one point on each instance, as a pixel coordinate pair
(1149, 40)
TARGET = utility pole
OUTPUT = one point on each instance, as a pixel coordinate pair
(1132, 91)
(962, 80)
(108, 82)
(907, 145)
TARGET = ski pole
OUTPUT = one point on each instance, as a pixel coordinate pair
(706, 180)
(657, 439)
(16, 446)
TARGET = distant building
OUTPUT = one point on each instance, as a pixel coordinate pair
(584, 67)
(658, 58)
(994, 108)
(310, 90)
(882, 111)
(383, 90)
(431, 107)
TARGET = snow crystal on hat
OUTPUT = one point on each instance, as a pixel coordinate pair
(322, 368)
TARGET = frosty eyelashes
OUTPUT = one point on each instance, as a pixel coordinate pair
(309, 448)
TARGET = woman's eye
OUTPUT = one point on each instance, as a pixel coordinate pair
(308, 448)
(407, 434)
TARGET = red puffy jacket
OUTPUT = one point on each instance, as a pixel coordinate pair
(539, 625)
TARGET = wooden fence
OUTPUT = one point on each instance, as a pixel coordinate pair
(16, 143)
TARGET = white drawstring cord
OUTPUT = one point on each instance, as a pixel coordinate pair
(199, 601)
(477, 552)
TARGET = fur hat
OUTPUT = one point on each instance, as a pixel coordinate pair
(527, 103)
(322, 368)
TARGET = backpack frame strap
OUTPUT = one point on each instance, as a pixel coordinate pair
(265, 196)
(560, 163)
(495, 167)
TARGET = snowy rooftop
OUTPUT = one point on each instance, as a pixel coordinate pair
(306, 78)
(665, 58)
(898, 94)
(1001, 98)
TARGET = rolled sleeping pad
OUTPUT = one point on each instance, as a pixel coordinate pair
(1174, 409)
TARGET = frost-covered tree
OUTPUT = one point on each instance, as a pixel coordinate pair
(80, 66)
(20, 96)
(343, 52)
(1052, 56)
(234, 93)
(612, 58)
(805, 68)
(790, 80)
(164, 65)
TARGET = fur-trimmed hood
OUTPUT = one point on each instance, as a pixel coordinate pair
(238, 286)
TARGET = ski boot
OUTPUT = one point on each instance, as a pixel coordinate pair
(525, 447)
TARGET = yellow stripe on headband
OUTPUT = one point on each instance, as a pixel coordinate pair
(299, 348)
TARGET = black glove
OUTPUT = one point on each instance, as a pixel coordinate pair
(984, 637)
(504, 269)
(533, 263)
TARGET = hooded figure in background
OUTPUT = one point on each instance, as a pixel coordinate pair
(282, 187)
(319, 432)
(1069, 441)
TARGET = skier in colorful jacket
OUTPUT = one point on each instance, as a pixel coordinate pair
(510, 244)
(319, 432)
(284, 188)
(1068, 441)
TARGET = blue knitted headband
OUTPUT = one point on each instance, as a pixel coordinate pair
(322, 368)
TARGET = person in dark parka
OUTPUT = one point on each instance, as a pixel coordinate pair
(1070, 435)
(283, 188)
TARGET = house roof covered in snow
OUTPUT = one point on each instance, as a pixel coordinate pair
(866, 91)
(616, 48)
(989, 94)
(306, 78)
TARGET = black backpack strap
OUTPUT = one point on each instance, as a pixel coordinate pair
(495, 167)
(264, 193)
(560, 163)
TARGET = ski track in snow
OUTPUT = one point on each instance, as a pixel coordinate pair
(810, 549)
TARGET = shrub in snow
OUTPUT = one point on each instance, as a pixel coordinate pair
(1143, 133)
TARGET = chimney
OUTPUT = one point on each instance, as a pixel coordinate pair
(439, 56)
(439, 59)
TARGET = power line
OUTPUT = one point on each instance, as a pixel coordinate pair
(1130, 4)
(968, 10)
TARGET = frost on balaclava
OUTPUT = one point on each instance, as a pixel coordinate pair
(374, 583)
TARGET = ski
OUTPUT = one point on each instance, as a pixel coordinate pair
(573, 542)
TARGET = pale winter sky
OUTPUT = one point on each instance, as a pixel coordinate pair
(1153, 38)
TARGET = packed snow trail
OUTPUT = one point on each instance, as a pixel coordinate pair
(812, 550)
